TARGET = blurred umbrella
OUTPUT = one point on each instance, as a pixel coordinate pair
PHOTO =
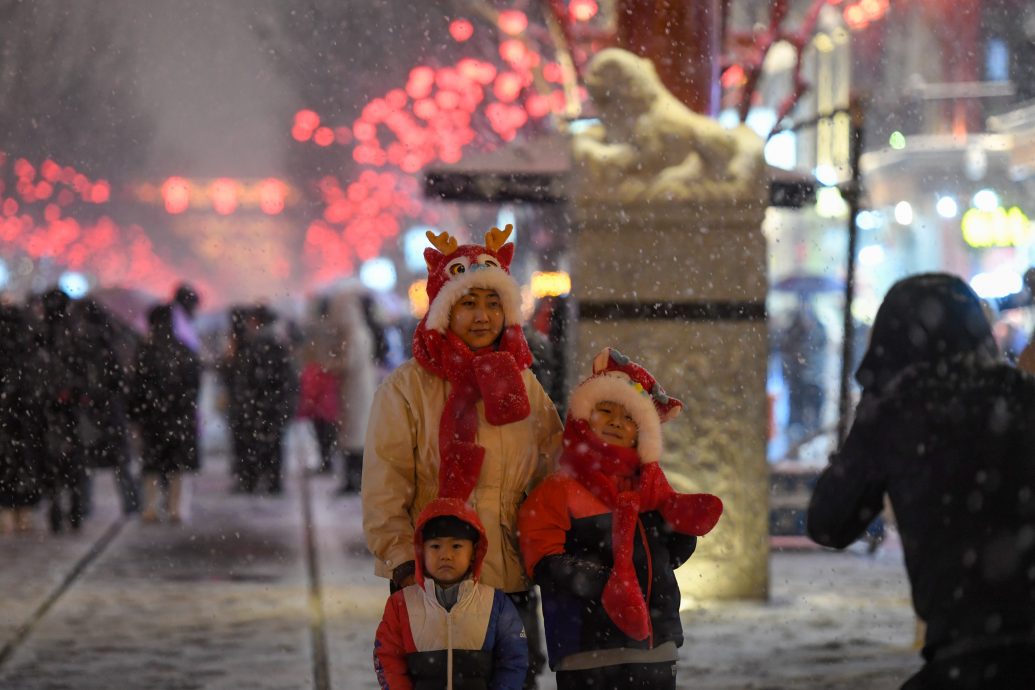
(127, 305)
(807, 284)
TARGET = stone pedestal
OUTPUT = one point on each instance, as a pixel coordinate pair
(680, 287)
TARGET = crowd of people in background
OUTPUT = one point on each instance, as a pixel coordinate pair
(85, 393)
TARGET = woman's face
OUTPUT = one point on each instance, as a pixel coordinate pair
(613, 423)
(477, 318)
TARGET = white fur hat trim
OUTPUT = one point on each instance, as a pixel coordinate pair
(489, 278)
(617, 387)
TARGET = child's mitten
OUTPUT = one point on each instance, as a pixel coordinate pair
(693, 514)
(623, 598)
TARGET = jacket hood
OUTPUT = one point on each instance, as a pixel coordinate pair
(928, 318)
(454, 507)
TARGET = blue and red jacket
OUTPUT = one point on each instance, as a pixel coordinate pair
(479, 644)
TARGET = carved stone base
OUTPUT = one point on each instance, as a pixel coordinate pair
(682, 291)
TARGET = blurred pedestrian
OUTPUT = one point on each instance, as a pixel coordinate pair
(167, 377)
(946, 430)
(319, 401)
(803, 351)
(103, 421)
(263, 388)
(65, 474)
(21, 414)
(346, 348)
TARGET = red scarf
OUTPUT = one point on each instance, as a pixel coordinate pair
(490, 375)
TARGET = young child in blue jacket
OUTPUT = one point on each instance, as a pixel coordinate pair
(448, 631)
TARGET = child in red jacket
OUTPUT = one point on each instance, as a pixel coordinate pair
(448, 630)
(602, 537)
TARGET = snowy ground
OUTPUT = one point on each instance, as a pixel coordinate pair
(234, 599)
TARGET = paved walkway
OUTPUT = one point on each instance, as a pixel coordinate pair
(252, 594)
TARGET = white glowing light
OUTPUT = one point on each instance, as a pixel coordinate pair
(946, 207)
(986, 200)
(378, 274)
(1001, 283)
(903, 213)
(871, 255)
(5, 274)
(866, 220)
(73, 284)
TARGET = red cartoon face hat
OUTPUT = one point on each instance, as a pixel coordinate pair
(492, 375)
(454, 268)
(618, 379)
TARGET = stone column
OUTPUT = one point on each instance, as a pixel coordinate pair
(681, 289)
(668, 265)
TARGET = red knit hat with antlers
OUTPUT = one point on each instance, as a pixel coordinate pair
(492, 375)
(618, 379)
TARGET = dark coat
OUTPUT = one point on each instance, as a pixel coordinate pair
(262, 386)
(21, 414)
(573, 582)
(948, 434)
(164, 395)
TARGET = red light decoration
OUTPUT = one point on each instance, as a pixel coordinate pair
(307, 119)
(512, 22)
(396, 99)
(507, 87)
(223, 193)
(271, 196)
(342, 135)
(43, 190)
(583, 10)
(10, 207)
(537, 105)
(460, 30)
(176, 195)
(301, 133)
(421, 81)
(50, 170)
(100, 193)
(324, 136)
(513, 51)
(733, 76)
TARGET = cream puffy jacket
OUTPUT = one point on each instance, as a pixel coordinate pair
(400, 470)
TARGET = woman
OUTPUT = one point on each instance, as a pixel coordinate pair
(947, 432)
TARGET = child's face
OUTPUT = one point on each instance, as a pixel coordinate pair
(613, 423)
(477, 318)
(447, 559)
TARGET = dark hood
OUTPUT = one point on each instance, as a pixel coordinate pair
(928, 318)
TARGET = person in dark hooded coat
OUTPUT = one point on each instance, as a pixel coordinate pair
(947, 431)
(164, 394)
(21, 428)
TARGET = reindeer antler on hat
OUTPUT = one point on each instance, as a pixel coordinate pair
(455, 268)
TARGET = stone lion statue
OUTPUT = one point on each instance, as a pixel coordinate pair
(649, 146)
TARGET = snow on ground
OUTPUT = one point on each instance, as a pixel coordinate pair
(225, 602)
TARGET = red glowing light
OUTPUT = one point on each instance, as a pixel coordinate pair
(43, 190)
(552, 72)
(51, 213)
(324, 136)
(364, 131)
(512, 22)
(223, 193)
(271, 196)
(508, 87)
(100, 193)
(301, 133)
(50, 170)
(733, 76)
(307, 119)
(421, 81)
(537, 105)
(513, 51)
(460, 30)
(855, 17)
(425, 109)
(342, 135)
(10, 207)
(396, 99)
(582, 10)
(176, 194)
